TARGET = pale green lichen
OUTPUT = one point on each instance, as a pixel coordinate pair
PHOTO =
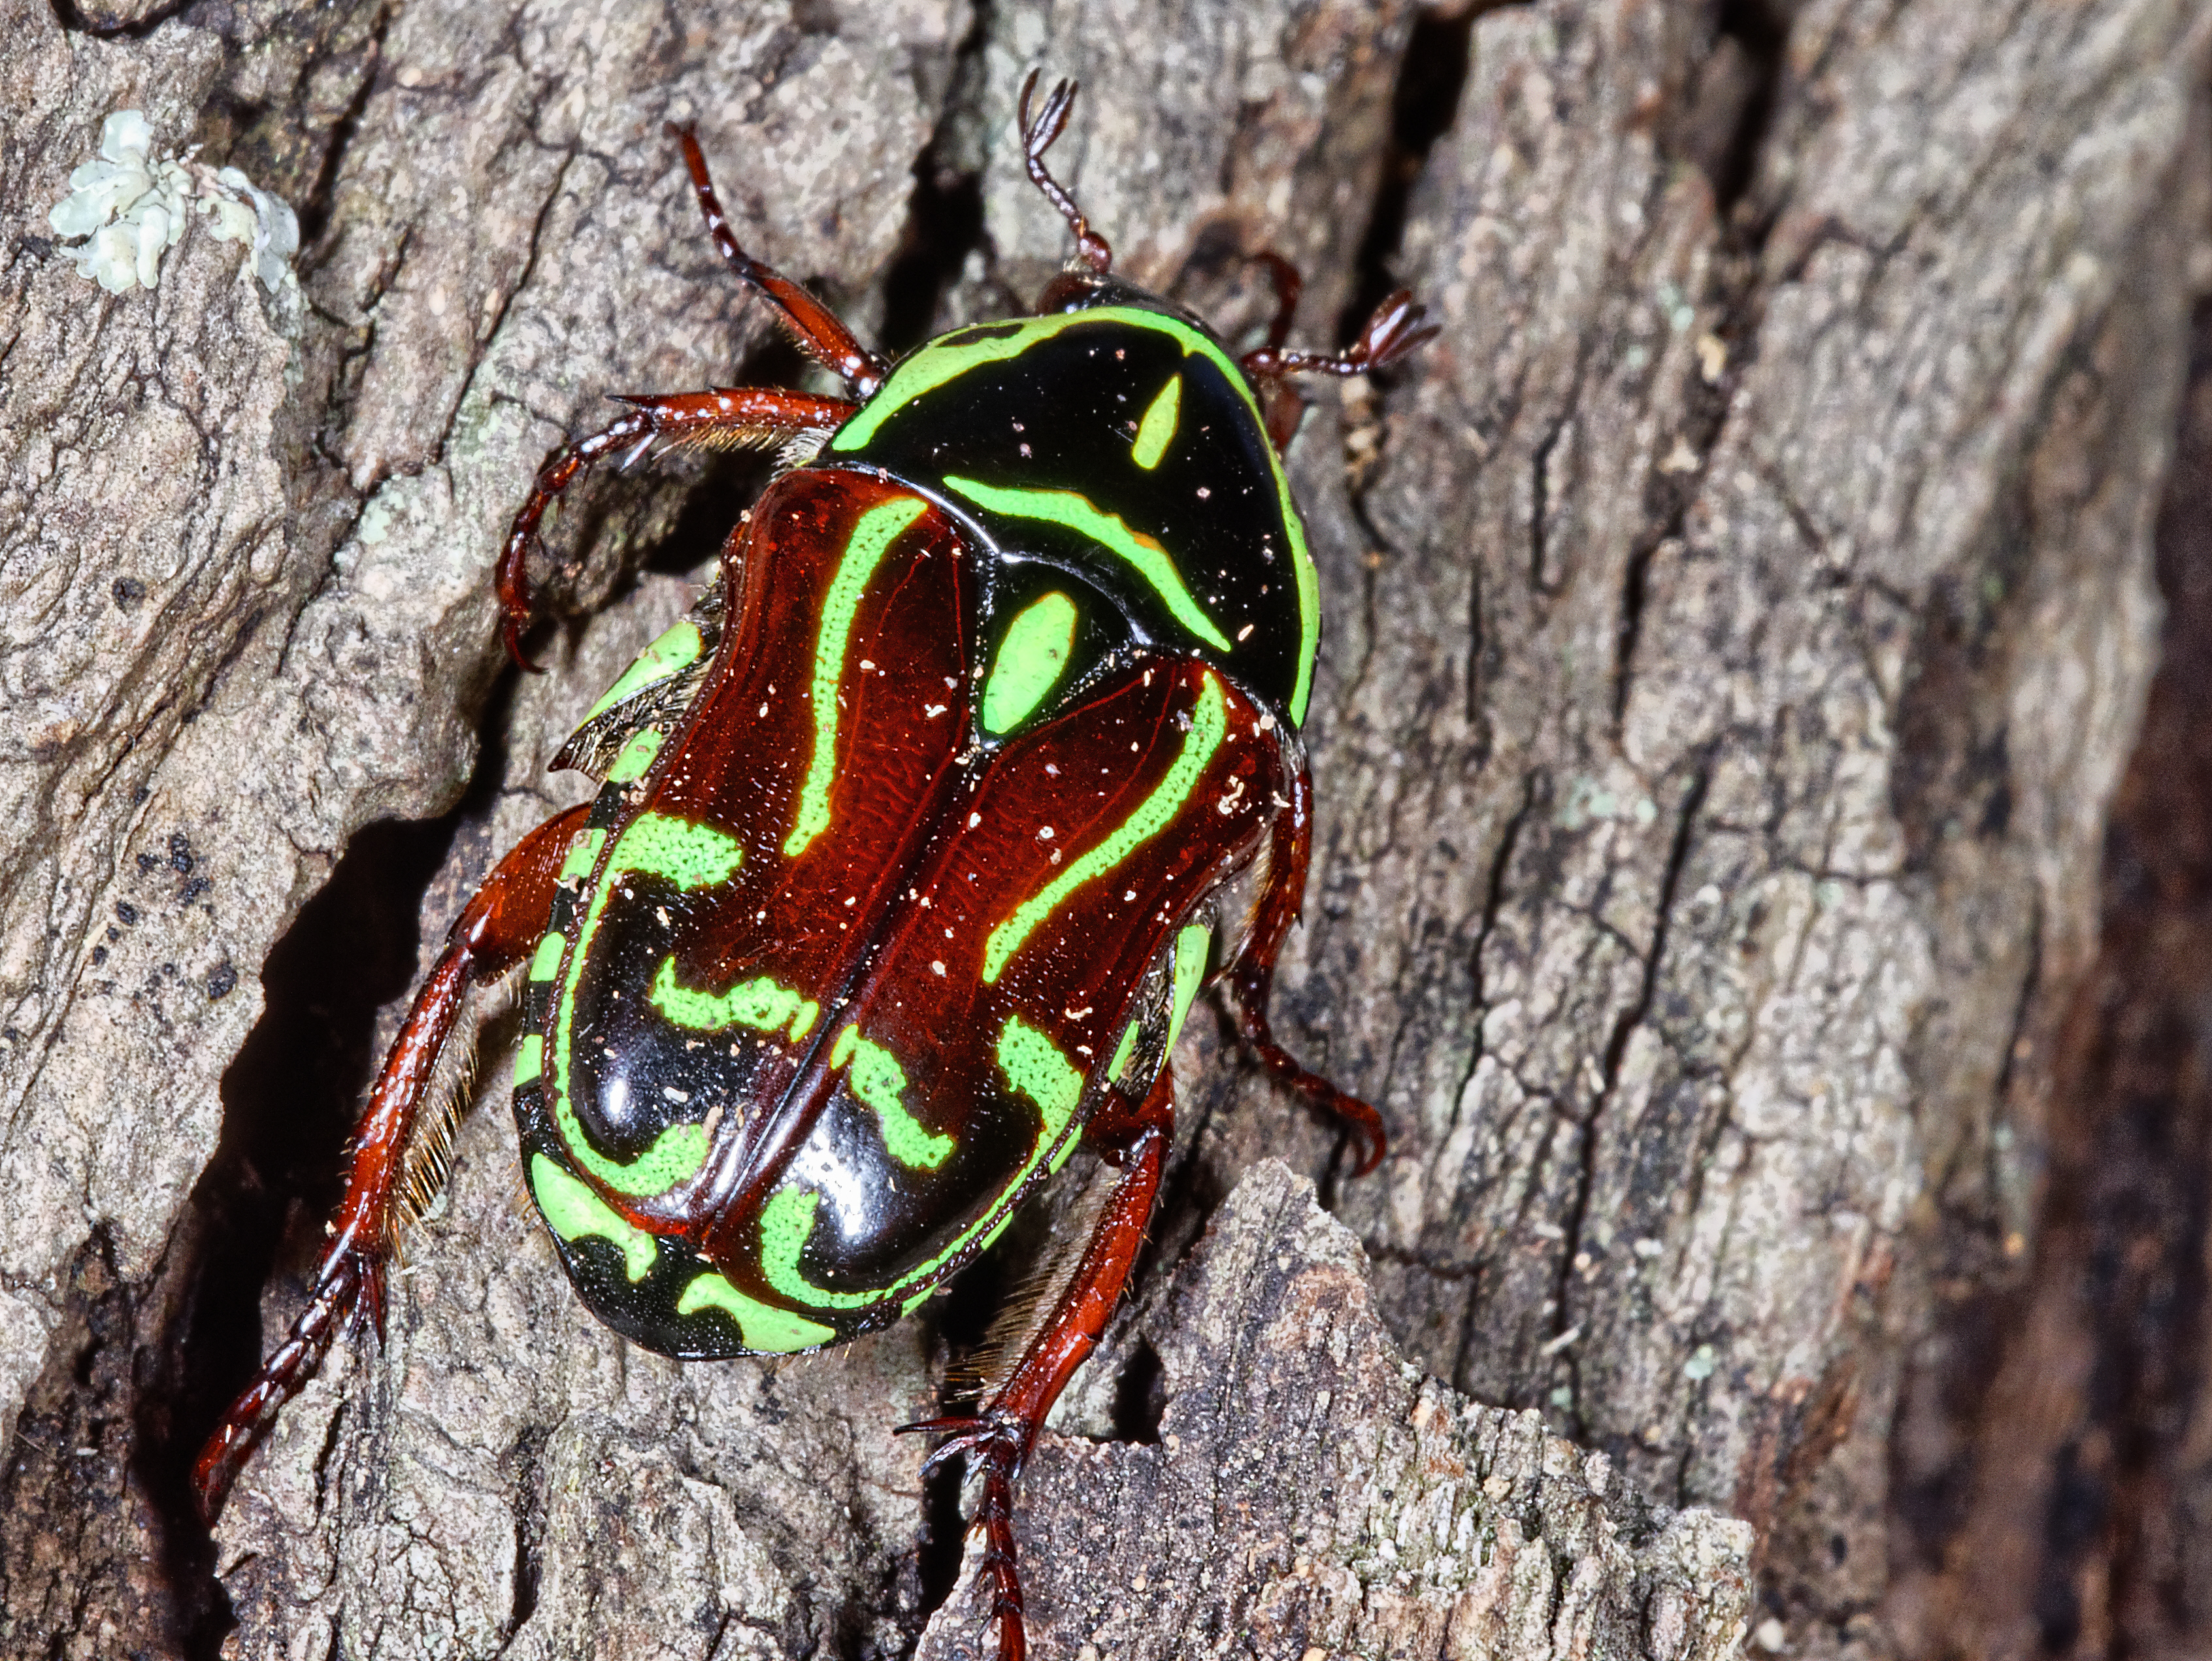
(130, 207)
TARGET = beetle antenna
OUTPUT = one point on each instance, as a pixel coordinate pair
(1037, 138)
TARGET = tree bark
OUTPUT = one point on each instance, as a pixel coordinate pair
(1739, 618)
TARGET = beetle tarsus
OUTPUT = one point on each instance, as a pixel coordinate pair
(1398, 326)
(1037, 138)
(334, 1306)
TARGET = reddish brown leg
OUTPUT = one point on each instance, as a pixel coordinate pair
(1397, 327)
(1037, 138)
(811, 324)
(722, 415)
(502, 924)
(1250, 976)
(998, 1436)
(1282, 403)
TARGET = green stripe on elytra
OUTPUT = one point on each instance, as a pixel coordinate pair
(879, 1081)
(762, 1328)
(575, 1212)
(1073, 511)
(691, 856)
(1033, 1066)
(672, 654)
(1208, 723)
(863, 550)
(1031, 661)
(759, 1003)
(1157, 431)
(937, 365)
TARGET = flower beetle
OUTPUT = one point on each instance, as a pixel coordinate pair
(900, 881)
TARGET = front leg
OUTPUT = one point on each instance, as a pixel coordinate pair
(498, 929)
(720, 417)
(997, 1438)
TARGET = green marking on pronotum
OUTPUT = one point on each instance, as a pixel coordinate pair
(879, 1081)
(759, 1003)
(946, 361)
(762, 1328)
(1158, 429)
(529, 1060)
(1208, 722)
(1031, 661)
(575, 1212)
(674, 652)
(691, 856)
(636, 755)
(1035, 1067)
(1074, 511)
(1191, 945)
(863, 550)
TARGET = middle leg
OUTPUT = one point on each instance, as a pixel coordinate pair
(1249, 978)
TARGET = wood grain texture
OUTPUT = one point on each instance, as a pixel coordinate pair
(1739, 620)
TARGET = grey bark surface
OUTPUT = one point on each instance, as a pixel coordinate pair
(1738, 619)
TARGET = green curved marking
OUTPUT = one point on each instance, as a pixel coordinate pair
(1158, 429)
(1208, 722)
(934, 366)
(675, 651)
(691, 856)
(529, 1060)
(879, 1081)
(1073, 511)
(759, 1003)
(762, 1328)
(637, 756)
(1035, 1067)
(786, 1221)
(863, 550)
(1030, 661)
(574, 1213)
(1191, 947)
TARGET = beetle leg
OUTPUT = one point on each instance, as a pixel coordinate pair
(999, 1434)
(502, 924)
(1398, 326)
(811, 326)
(1250, 976)
(1037, 138)
(720, 416)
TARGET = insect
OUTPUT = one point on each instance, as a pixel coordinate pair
(903, 873)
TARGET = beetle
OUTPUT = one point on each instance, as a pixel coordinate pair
(903, 871)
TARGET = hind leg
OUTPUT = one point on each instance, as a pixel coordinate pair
(502, 924)
(997, 1438)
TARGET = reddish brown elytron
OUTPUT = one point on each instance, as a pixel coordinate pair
(906, 863)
